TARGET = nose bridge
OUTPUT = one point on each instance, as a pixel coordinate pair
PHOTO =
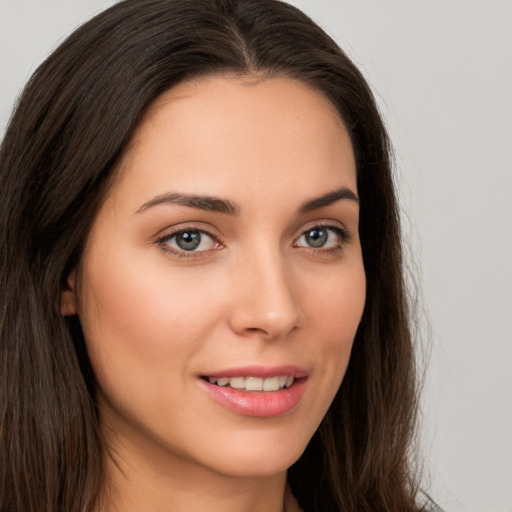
(266, 300)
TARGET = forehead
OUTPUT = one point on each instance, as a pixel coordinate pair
(206, 132)
(232, 92)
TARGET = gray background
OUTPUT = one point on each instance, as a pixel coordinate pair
(442, 73)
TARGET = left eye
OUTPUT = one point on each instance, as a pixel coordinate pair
(320, 237)
(190, 240)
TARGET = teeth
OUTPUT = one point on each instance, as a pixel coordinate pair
(254, 383)
(237, 382)
(223, 381)
(271, 384)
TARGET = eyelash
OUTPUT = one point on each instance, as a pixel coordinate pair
(162, 242)
(342, 234)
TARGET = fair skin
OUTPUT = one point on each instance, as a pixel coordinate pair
(174, 289)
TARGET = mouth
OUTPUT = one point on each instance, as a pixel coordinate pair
(257, 391)
(249, 383)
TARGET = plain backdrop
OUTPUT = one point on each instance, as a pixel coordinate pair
(442, 73)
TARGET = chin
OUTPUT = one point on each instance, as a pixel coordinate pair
(259, 460)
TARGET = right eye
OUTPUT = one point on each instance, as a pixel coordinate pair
(189, 241)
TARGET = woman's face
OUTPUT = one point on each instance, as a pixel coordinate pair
(226, 251)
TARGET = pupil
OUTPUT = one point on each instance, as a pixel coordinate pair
(316, 237)
(189, 240)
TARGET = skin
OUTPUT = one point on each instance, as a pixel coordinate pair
(155, 320)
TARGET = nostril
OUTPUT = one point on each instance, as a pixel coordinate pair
(270, 310)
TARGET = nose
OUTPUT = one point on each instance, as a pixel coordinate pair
(265, 299)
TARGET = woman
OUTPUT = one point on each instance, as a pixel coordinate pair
(203, 305)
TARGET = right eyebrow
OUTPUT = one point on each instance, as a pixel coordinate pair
(201, 202)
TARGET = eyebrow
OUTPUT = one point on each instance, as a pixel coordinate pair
(209, 203)
(328, 199)
(216, 204)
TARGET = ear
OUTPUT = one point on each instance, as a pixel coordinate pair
(68, 296)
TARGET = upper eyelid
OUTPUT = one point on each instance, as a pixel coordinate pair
(325, 223)
(175, 230)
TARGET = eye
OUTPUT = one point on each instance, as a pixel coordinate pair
(189, 241)
(322, 237)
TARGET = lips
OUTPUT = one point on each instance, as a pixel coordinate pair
(257, 391)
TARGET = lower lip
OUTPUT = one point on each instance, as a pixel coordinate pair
(261, 404)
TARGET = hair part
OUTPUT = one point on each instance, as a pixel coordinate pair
(71, 126)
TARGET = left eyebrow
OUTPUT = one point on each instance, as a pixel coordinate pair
(328, 199)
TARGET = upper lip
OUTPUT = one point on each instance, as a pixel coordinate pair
(260, 371)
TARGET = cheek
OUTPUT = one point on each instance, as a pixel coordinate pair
(136, 317)
(143, 336)
(336, 307)
(335, 311)
(139, 303)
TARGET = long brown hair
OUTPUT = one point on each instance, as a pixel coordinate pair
(71, 125)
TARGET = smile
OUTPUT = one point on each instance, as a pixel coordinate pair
(254, 383)
(257, 391)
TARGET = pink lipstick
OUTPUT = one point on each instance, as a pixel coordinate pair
(256, 390)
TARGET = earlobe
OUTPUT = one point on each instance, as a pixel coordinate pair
(68, 296)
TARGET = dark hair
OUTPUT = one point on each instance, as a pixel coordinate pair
(70, 128)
